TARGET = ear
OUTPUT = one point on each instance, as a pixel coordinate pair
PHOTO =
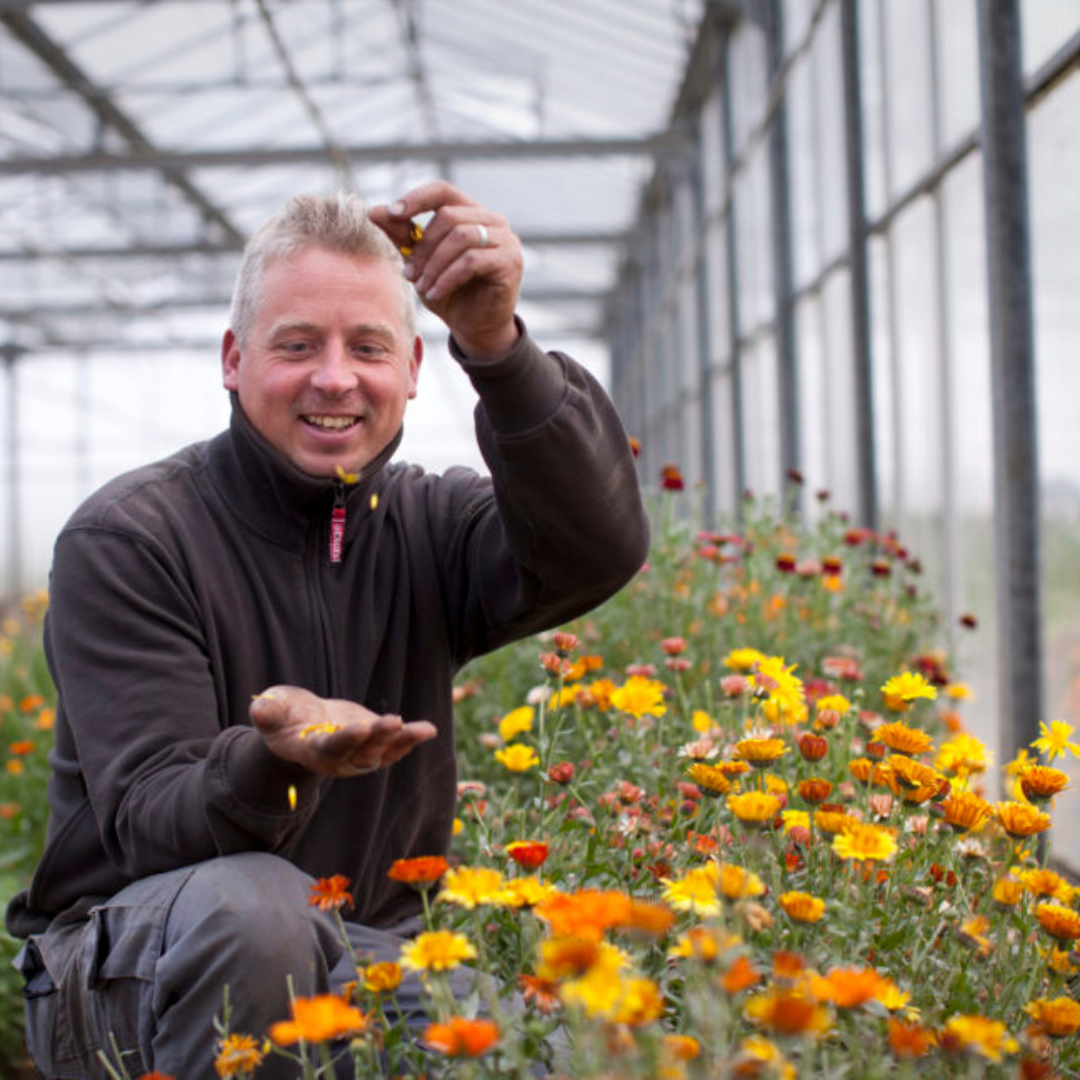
(230, 361)
(414, 365)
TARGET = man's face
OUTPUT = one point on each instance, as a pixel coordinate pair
(329, 363)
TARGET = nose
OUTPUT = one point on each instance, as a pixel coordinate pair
(334, 374)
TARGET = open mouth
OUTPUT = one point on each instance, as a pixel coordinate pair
(331, 423)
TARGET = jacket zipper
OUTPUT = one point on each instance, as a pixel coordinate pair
(337, 523)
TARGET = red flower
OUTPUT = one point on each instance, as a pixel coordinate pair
(330, 894)
(673, 645)
(671, 478)
(561, 773)
(528, 854)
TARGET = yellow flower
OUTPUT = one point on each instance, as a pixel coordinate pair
(833, 821)
(1059, 921)
(901, 690)
(835, 703)
(958, 691)
(986, 1037)
(382, 977)
(639, 1003)
(1055, 740)
(974, 931)
(865, 843)
(517, 757)
(760, 752)
(1058, 1017)
(736, 883)
(703, 943)
(638, 696)
(471, 886)
(1021, 820)
(524, 892)
(1044, 882)
(564, 958)
(696, 891)
(436, 950)
(802, 907)
(600, 988)
(566, 696)
(962, 754)
(458, 826)
(516, 722)
(966, 811)
(903, 739)
(1007, 892)
(911, 774)
(788, 1012)
(784, 690)
(709, 778)
(701, 721)
(743, 659)
(237, 1053)
(795, 819)
(754, 807)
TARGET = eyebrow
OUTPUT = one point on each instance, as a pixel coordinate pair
(379, 330)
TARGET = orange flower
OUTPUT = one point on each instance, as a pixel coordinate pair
(965, 811)
(709, 778)
(755, 808)
(1021, 820)
(834, 820)
(543, 993)
(787, 966)
(23, 746)
(1058, 1017)
(903, 739)
(911, 774)
(31, 702)
(318, 1019)
(1059, 921)
(528, 854)
(459, 1037)
(421, 872)
(647, 918)
(850, 987)
(788, 1012)
(587, 913)
(1040, 782)
(802, 907)
(330, 894)
(760, 752)
(815, 790)
(909, 1040)
(381, 977)
(740, 976)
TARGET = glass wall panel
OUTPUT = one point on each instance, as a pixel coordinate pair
(836, 348)
(887, 448)
(829, 132)
(1047, 25)
(727, 494)
(754, 240)
(804, 195)
(761, 418)
(815, 410)
(1055, 179)
(7, 583)
(958, 68)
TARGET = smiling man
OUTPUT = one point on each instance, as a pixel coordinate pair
(254, 641)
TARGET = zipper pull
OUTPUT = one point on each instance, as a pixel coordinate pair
(337, 523)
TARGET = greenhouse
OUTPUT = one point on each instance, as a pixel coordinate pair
(822, 257)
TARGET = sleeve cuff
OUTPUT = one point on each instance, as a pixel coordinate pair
(261, 780)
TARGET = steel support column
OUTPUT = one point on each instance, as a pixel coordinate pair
(1009, 300)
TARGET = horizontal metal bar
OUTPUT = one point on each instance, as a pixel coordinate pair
(662, 144)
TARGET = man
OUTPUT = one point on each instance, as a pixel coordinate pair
(254, 640)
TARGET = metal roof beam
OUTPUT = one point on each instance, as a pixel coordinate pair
(663, 144)
(26, 31)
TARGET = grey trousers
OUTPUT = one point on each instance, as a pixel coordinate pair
(150, 966)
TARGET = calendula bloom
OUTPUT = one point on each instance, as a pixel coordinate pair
(528, 854)
(640, 696)
(567, 695)
(525, 892)
(966, 812)
(973, 931)
(814, 790)
(1060, 961)
(847, 988)
(699, 750)
(597, 990)
(903, 739)
(703, 943)
(802, 907)
(1054, 742)
(1020, 820)
(420, 872)
(709, 778)
(600, 693)
(833, 703)
(740, 976)
(795, 819)
(646, 919)
(909, 1040)
(319, 1019)
(743, 659)
(681, 1047)
(701, 721)
(754, 807)
(902, 690)
(437, 950)
(460, 1037)
(866, 843)
(1058, 1017)
(586, 913)
(541, 993)
(517, 757)
(330, 894)
(382, 977)
(1040, 782)
(962, 755)
(788, 1012)
(986, 1037)
(695, 892)
(570, 957)
(911, 774)
(1044, 882)
(1059, 921)
(760, 752)
(833, 821)
(871, 772)
(1007, 892)
(469, 887)
(237, 1053)
(516, 722)
(737, 883)
(639, 1003)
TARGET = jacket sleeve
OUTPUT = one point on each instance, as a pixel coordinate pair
(143, 722)
(565, 525)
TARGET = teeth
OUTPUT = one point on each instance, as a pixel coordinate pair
(334, 423)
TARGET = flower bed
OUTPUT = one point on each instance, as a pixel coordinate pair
(730, 825)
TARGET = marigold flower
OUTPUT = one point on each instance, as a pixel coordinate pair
(586, 913)
(319, 1019)
(460, 1037)
(34, 701)
(812, 747)
(740, 976)
(420, 872)
(1058, 921)
(1021, 820)
(1007, 892)
(437, 950)
(760, 752)
(903, 739)
(640, 696)
(524, 892)
(973, 931)
(703, 943)
(516, 722)
(814, 790)
(22, 747)
(788, 1012)
(1045, 882)
(1058, 1017)
(848, 988)
(331, 894)
(1040, 782)
(528, 854)
(754, 807)
(381, 977)
(903, 689)
(1054, 742)
(540, 992)
(802, 907)
(966, 812)
(696, 891)
(737, 883)
(647, 919)
(833, 821)
(237, 1053)
(865, 843)
(911, 774)
(743, 659)
(986, 1037)
(517, 757)
(471, 886)
(681, 1047)
(963, 754)
(909, 1040)
(709, 778)
(639, 1003)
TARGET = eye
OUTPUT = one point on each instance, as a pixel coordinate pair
(294, 349)
(369, 350)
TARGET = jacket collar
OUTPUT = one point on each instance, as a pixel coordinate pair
(273, 496)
